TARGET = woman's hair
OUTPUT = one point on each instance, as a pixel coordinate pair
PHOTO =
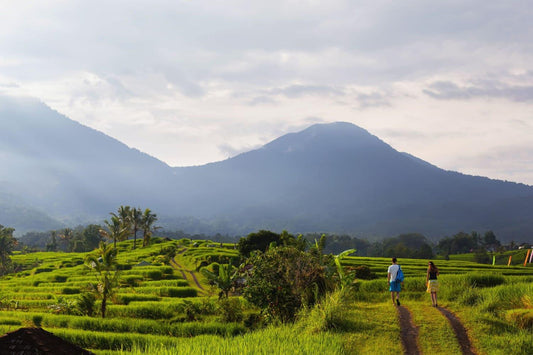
(432, 266)
(394, 260)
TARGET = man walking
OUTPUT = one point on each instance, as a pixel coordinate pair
(395, 286)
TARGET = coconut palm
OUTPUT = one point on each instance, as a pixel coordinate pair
(116, 230)
(136, 217)
(147, 225)
(104, 263)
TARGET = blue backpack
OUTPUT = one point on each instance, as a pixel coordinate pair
(399, 275)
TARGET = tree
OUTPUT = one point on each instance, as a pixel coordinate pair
(257, 241)
(490, 241)
(66, 237)
(282, 280)
(104, 263)
(136, 220)
(91, 236)
(116, 230)
(147, 221)
(7, 244)
(52, 246)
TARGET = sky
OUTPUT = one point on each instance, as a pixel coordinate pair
(192, 82)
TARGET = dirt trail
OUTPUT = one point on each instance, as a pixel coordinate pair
(460, 332)
(184, 273)
(408, 332)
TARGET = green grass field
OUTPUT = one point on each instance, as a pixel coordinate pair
(160, 308)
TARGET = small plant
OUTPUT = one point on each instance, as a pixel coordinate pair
(63, 306)
(86, 304)
(37, 320)
(230, 309)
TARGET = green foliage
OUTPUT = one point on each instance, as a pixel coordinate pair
(257, 241)
(281, 280)
(104, 263)
(37, 320)
(408, 246)
(222, 276)
(230, 309)
(7, 245)
(86, 304)
(327, 315)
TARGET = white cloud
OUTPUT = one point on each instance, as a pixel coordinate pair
(195, 81)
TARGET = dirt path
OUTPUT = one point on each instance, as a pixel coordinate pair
(184, 273)
(408, 332)
(460, 332)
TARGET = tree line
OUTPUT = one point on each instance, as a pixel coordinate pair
(128, 222)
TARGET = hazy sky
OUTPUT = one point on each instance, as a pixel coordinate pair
(191, 82)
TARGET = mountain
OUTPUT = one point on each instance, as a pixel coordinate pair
(339, 178)
(68, 171)
(327, 178)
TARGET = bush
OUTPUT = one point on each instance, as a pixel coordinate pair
(281, 280)
(37, 320)
(363, 272)
(86, 304)
(59, 278)
(230, 309)
(70, 290)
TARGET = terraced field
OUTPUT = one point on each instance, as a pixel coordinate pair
(164, 304)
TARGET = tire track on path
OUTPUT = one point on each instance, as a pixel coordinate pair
(460, 332)
(408, 332)
(184, 271)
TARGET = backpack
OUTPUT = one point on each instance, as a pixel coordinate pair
(399, 275)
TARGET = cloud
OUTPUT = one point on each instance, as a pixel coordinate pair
(448, 90)
(194, 81)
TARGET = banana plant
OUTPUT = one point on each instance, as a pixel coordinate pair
(224, 278)
(343, 278)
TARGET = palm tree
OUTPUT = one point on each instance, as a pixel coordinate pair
(117, 230)
(105, 265)
(147, 225)
(136, 217)
(66, 237)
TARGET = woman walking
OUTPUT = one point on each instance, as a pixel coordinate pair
(432, 283)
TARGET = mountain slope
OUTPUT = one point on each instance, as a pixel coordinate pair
(68, 170)
(338, 177)
(329, 177)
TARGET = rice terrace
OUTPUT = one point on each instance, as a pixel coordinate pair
(204, 297)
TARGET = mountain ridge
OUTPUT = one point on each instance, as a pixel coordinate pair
(333, 177)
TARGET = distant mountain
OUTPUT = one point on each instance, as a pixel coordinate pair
(69, 171)
(339, 178)
(327, 178)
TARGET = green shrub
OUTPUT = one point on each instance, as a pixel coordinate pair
(181, 292)
(302, 281)
(37, 320)
(485, 280)
(59, 278)
(70, 290)
(153, 274)
(363, 272)
(86, 304)
(230, 309)
(42, 269)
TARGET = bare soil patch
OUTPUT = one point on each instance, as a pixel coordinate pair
(460, 332)
(408, 332)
